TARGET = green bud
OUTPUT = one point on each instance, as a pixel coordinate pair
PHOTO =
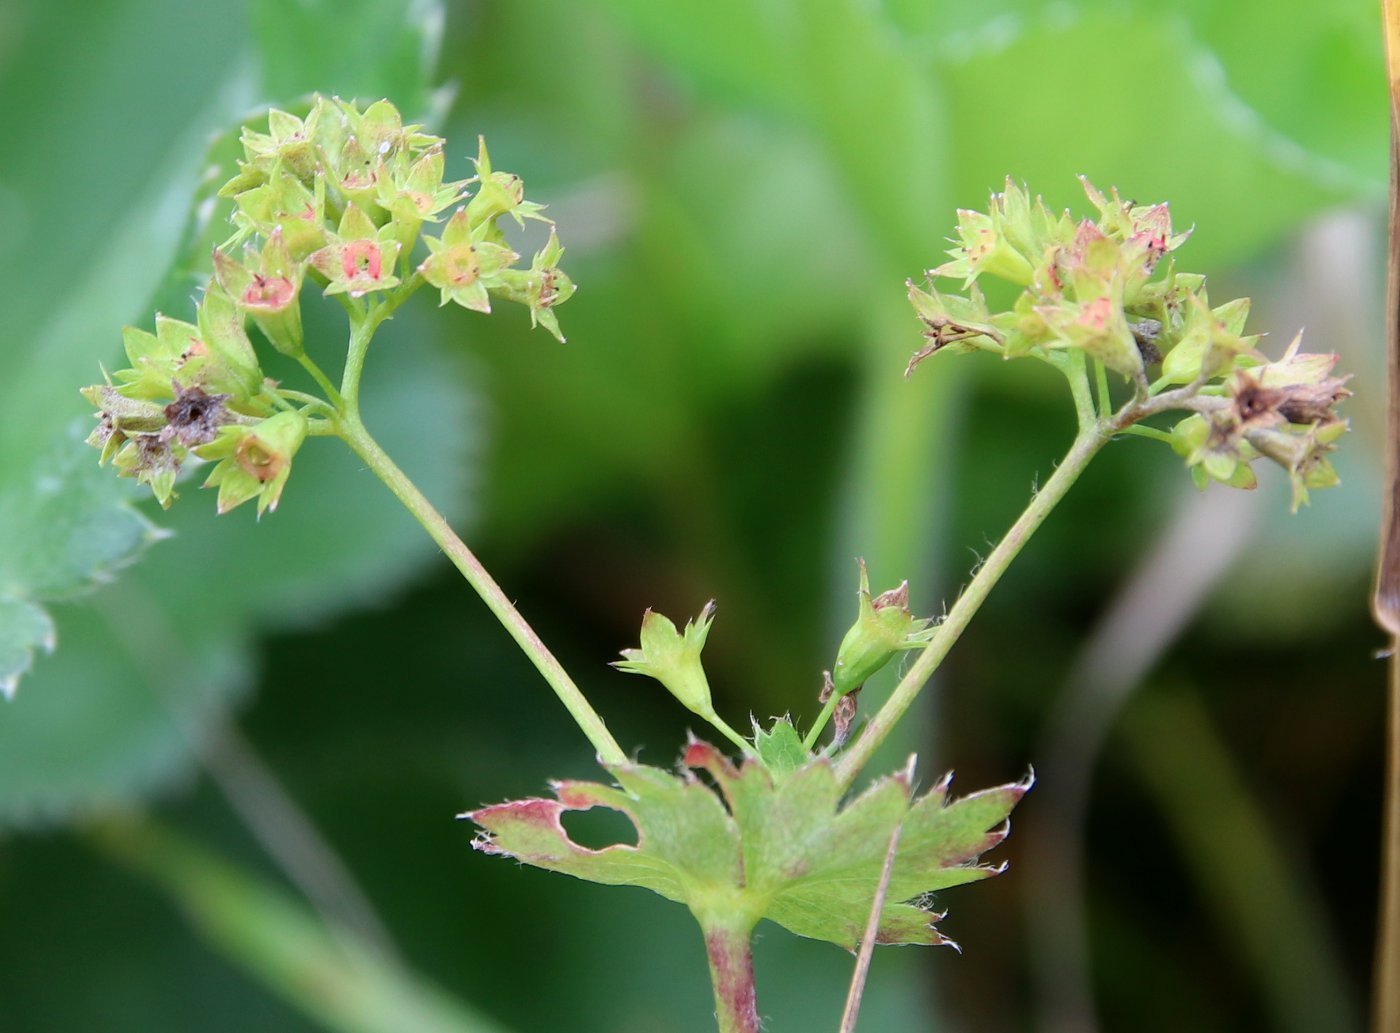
(254, 460)
(416, 195)
(1214, 450)
(232, 363)
(673, 658)
(883, 628)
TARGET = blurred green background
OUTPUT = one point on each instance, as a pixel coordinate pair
(258, 728)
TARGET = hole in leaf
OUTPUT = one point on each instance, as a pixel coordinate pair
(599, 827)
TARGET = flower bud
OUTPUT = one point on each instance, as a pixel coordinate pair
(673, 658)
(883, 628)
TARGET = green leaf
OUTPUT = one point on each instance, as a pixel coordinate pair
(1228, 167)
(780, 748)
(782, 850)
(71, 530)
(149, 662)
(116, 724)
(24, 627)
(366, 49)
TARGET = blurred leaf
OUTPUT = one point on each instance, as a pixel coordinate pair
(782, 851)
(1243, 866)
(1177, 134)
(147, 662)
(68, 532)
(327, 973)
(122, 718)
(83, 262)
(366, 49)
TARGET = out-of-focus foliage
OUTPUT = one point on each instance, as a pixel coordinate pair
(744, 187)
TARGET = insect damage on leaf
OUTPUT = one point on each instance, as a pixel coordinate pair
(786, 850)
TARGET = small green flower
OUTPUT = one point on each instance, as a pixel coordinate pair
(267, 288)
(673, 658)
(283, 204)
(416, 195)
(543, 286)
(499, 193)
(462, 264)
(254, 460)
(884, 627)
(359, 258)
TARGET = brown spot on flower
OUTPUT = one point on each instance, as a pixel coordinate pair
(194, 417)
(1255, 403)
(1312, 403)
(154, 456)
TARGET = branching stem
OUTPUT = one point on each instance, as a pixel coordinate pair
(1086, 445)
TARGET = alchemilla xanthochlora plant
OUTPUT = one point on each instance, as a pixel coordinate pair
(354, 203)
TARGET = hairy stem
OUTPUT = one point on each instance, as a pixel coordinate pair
(729, 949)
(358, 438)
(1086, 444)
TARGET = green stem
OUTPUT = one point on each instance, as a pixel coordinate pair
(1101, 387)
(358, 438)
(1086, 444)
(722, 726)
(361, 331)
(729, 949)
(815, 733)
(322, 381)
(1148, 432)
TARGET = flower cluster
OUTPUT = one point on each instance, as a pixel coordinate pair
(340, 198)
(1109, 290)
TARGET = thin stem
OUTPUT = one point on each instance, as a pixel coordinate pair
(872, 930)
(1076, 372)
(400, 294)
(1148, 432)
(1101, 387)
(1086, 444)
(821, 721)
(722, 726)
(358, 438)
(322, 381)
